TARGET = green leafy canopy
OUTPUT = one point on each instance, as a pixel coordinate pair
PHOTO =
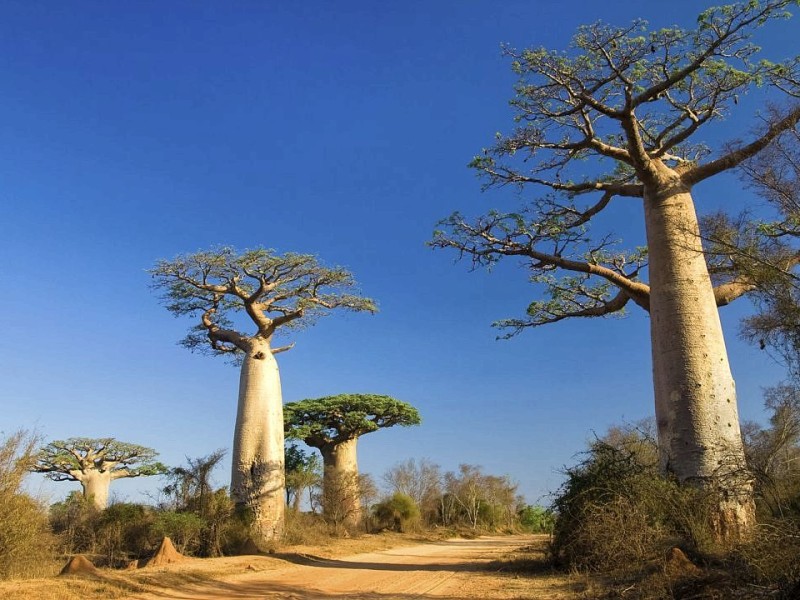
(335, 419)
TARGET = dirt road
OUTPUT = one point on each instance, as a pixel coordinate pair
(452, 569)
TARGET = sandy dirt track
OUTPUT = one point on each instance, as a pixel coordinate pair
(452, 569)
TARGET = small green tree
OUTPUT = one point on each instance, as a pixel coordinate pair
(536, 519)
(95, 463)
(333, 424)
(303, 472)
(192, 492)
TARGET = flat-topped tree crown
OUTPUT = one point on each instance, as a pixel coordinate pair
(336, 419)
(95, 463)
(274, 290)
(333, 424)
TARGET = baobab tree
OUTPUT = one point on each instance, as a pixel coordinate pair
(333, 425)
(95, 463)
(633, 101)
(276, 292)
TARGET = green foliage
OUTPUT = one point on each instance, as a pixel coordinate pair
(335, 419)
(275, 290)
(474, 499)
(399, 512)
(124, 533)
(58, 458)
(536, 519)
(74, 520)
(191, 492)
(303, 471)
(422, 481)
(26, 544)
(184, 529)
(632, 100)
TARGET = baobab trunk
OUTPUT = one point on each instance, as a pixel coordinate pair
(257, 472)
(698, 424)
(340, 482)
(95, 486)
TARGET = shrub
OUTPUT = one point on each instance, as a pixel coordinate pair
(772, 555)
(74, 521)
(123, 533)
(536, 519)
(615, 511)
(399, 512)
(26, 544)
(184, 529)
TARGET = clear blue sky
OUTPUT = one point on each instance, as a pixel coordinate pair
(137, 131)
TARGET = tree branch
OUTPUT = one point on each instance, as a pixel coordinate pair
(734, 158)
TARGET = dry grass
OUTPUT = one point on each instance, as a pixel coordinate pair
(119, 584)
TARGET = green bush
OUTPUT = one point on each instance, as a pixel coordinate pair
(74, 520)
(399, 512)
(536, 519)
(184, 529)
(124, 533)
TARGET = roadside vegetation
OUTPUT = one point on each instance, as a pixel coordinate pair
(690, 504)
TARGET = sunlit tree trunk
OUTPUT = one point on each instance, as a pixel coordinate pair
(257, 477)
(95, 486)
(340, 480)
(698, 424)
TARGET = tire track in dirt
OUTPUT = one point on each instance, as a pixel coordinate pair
(443, 570)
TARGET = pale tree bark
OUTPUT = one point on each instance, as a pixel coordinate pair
(257, 470)
(698, 423)
(95, 486)
(340, 480)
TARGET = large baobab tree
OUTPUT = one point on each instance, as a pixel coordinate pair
(275, 292)
(632, 102)
(333, 425)
(95, 463)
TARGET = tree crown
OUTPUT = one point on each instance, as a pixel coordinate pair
(632, 101)
(274, 290)
(335, 419)
(66, 460)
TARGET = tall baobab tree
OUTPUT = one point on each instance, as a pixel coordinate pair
(613, 120)
(333, 425)
(276, 292)
(95, 463)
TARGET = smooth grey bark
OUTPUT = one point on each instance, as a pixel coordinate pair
(695, 395)
(257, 470)
(340, 479)
(95, 484)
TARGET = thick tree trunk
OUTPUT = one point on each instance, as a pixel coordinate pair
(257, 477)
(698, 424)
(95, 486)
(342, 502)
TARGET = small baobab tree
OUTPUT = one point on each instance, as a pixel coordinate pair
(95, 463)
(333, 425)
(275, 292)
